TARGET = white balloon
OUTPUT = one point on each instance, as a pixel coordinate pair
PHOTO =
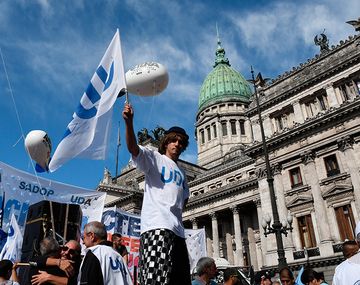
(38, 145)
(147, 79)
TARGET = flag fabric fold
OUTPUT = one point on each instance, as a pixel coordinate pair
(87, 134)
(12, 247)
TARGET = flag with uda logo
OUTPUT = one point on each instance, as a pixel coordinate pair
(12, 247)
(87, 134)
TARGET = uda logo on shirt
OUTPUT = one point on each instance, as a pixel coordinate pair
(117, 265)
(171, 176)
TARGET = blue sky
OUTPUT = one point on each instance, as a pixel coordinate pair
(52, 48)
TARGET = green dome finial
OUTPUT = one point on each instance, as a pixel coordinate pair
(220, 52)
(223, 83)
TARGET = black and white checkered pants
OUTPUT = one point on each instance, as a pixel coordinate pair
(163, 259)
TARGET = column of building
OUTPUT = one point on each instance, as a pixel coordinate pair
(281, 205)
(331, 95)
(299, 116)
(215, 234)
(238, 238)
(262, 248)
(312, 180)
(346, 146)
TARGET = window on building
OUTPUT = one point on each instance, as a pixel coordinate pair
(233, 127)
(214, 130)
(295, 177)
(208, 133)
(346, 222)
(306, 230)
(224, 128)
(310, 109)
(357, 85)
(202, 137)
(242, 127)
(281, 122)
(345, 92)
(331, 165)
(322, 102)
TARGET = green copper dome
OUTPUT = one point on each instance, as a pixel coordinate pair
(223, 83)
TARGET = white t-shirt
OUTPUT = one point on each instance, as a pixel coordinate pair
(165, 192)
(348, 272)
(113, 268)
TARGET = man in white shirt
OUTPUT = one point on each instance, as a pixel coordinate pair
(348, 272)
(101, 265)
(163, 253)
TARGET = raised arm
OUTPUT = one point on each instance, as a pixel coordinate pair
(128, 115)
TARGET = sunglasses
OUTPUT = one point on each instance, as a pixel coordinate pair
(69, 250)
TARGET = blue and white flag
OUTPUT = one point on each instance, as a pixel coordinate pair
(87, 134)
(12, 247)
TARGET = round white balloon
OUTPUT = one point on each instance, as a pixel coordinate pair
(147, 79)
(38, 145)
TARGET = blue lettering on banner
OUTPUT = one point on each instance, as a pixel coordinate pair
(121, 223)
(174, 177)
(80, 200)
(35, 189)
(13, 205)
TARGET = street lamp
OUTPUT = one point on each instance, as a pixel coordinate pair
(286, 225)
(277, 227)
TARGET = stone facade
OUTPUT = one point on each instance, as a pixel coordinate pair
(311, 117)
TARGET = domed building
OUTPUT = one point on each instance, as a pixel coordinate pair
(311, 118)
(221, 123)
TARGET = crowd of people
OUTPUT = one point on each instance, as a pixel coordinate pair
(163, 256)
(103, 262)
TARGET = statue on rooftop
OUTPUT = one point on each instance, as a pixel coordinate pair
(322, 41)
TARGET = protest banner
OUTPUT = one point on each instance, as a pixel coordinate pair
(128, 225)
(19, 190)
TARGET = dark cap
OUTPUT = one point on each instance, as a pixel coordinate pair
(231, 271)
(5, 266)
(177, 130)
(262, 275)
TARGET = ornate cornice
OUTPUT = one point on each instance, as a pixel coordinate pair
(345, 143)
(221, 170)
(225, 191)
(325, 120)
(308, 157)
(310, 73)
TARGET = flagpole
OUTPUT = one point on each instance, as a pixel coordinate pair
(117, 151)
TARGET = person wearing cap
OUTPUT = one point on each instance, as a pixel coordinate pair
(348, 271)
(7, 272)
(163, 253)
(232, 276)
(263, 278)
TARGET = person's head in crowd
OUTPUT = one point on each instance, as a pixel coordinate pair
(206, 268)
(49, 247)
(71, 250)
(172, 135)
(320, 277)
(276, 282)
(286, 276)
(350, 247)
(94, 233)
(116, 239)
(309, 277)
(5, 269)
(263, 278)
(232, 276)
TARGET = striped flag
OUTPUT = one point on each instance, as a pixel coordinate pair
(87, 134)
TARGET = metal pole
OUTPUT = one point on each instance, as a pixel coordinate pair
(277, 226)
